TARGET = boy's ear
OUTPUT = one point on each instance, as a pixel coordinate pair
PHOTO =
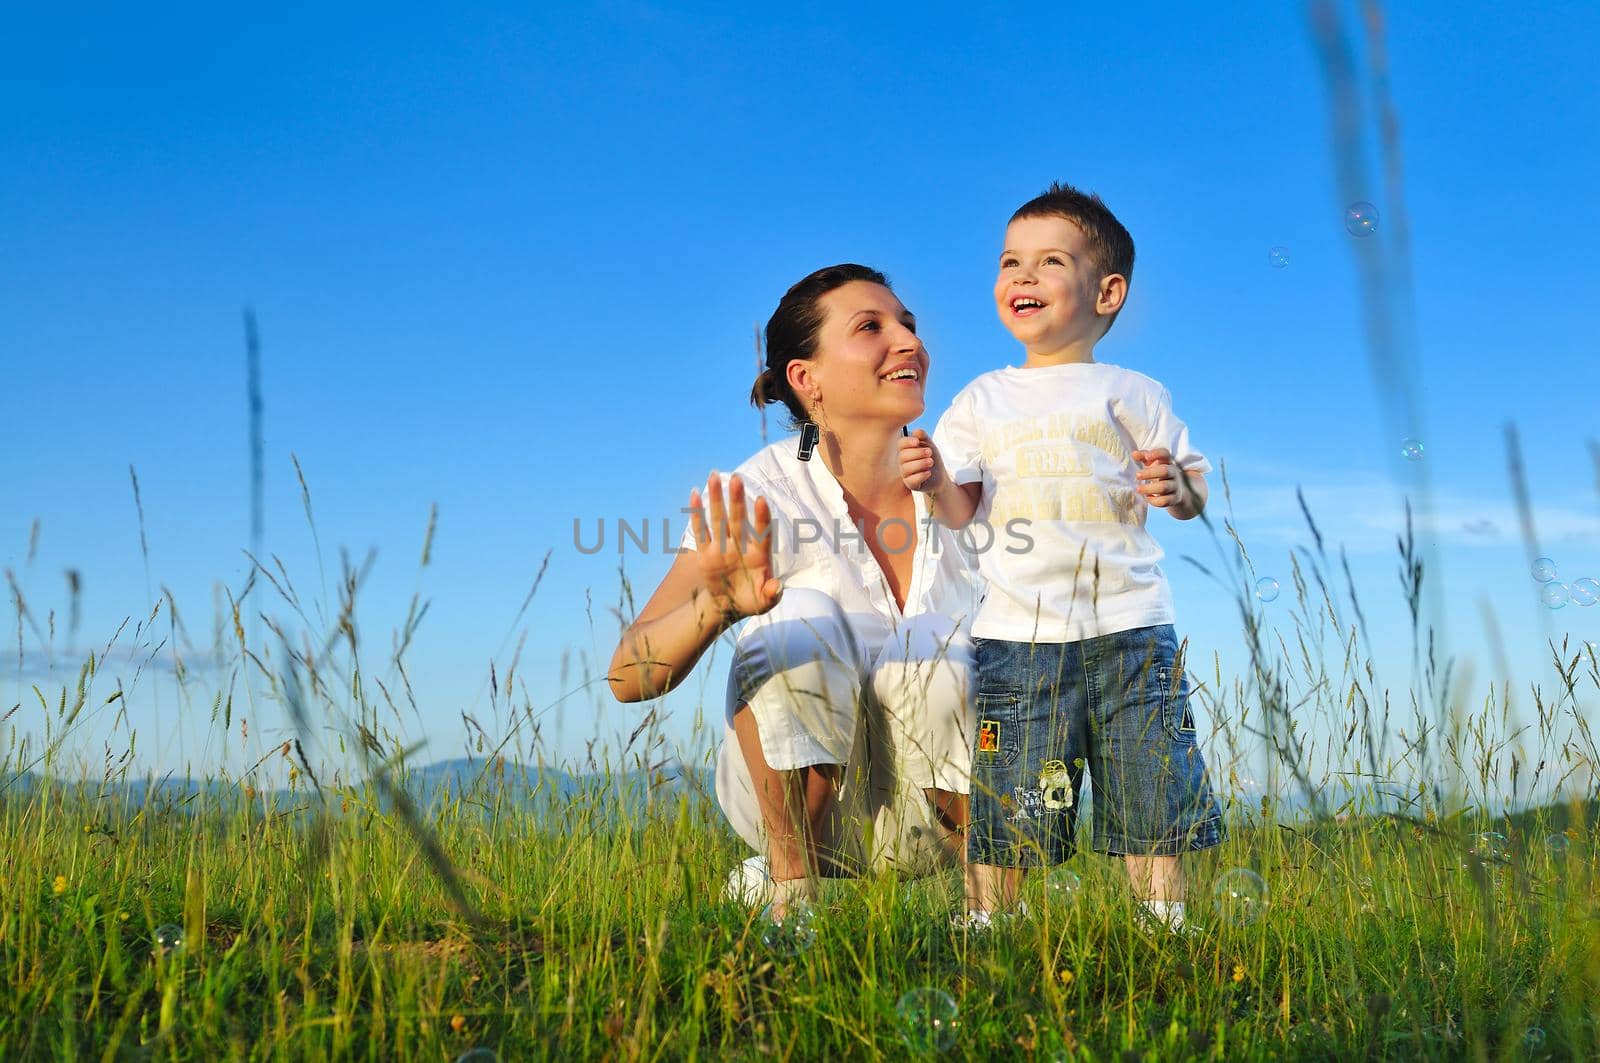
(1113, 293)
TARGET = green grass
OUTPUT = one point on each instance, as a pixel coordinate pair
(332, 920)
(603, 937)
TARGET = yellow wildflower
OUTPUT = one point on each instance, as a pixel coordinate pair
(458, 1023)
(1238, 972)
(59, 886)
(1066, 976)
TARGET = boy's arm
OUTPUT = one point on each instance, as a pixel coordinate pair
(1165, 486)
(1172, 473)
(954, 504)
(923, 470)
(1194, 502)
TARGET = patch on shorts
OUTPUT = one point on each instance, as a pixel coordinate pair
(1056, 786)
(989, 736)
(1028, 804)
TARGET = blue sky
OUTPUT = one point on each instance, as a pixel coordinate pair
(509, 262)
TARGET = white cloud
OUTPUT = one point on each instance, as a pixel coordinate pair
(63, 665)
(1365, 511)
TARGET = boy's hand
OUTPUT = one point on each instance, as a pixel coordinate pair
(920, 465)
(1160, 481)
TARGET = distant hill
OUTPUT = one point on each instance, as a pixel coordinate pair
(467, 779)
(480, 782)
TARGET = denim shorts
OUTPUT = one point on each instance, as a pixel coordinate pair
(1116, 705)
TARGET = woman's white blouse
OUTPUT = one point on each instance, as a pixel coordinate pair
(815, 545)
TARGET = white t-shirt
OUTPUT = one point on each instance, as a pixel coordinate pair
(815, 545)
(1069, 557)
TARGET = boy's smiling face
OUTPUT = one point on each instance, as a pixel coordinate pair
(1050, 293)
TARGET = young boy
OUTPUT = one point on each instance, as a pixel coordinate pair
(1078, 666)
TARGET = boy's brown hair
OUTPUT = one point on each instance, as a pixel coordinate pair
(1109, 242)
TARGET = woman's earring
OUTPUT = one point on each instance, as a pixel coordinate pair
(808, 440)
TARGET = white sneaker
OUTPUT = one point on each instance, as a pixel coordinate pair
(975, 921)
(980, 920)
(750, 884)
(1169, 918)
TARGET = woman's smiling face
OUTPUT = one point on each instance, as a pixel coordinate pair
(870, 364)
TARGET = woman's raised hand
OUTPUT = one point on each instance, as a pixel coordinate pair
(734, 552)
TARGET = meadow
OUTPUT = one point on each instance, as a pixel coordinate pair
(1417, 896)
(1411, 869)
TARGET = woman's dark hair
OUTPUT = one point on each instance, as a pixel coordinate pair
(792, 333)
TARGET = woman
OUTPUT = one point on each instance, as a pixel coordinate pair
(848, 710)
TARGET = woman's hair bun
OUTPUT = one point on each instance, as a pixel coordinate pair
(761, 390)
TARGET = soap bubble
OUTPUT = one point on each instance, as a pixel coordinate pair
(1267, 589)
(1544, 569)
(1494, 846)
(1411, 449)
(1062, 886)
(1306, 1034)
(1240, 896)
(478, 1055)
(1533, 1040)
(1368, 893)
(1584, 592)
(1249, 796)
(927, 1020)
(1278, 257)
(1557, 844)
(1554, 594)
(1050, 1047)
(1361, 218)
(169, 937)
(790, 934)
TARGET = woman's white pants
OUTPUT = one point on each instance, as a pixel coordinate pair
(891, 705)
